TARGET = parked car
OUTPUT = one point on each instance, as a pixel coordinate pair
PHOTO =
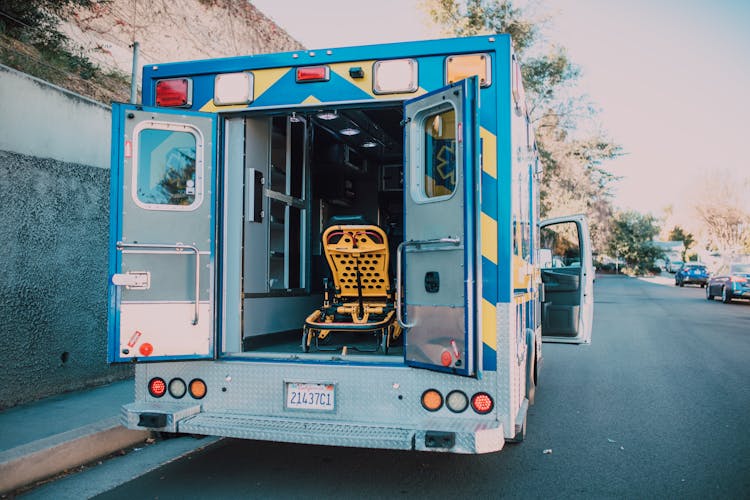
(674, 265)
(691, 273)
(730, 282)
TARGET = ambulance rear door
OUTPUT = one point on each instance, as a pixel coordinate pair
(162, 245)
(436, 263)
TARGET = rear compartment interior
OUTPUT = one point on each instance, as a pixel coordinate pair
(299, 169)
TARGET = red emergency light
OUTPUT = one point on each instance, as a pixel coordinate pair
(174, 93)
(313, 74)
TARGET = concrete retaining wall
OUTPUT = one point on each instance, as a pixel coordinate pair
(54, 226)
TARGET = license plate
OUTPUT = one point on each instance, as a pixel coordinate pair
(318, 397)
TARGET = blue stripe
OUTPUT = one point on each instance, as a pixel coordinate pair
(489, 281)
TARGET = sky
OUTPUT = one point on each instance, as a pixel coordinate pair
(671, 79)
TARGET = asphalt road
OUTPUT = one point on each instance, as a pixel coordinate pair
(657, 406)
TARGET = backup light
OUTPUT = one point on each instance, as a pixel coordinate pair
(395, 76)
(157, 387)
(174, 93)
(313, 74)
(482, 403)
(463, 66)
(457, 401)
(177, 388)
(432, 400)
(233, 88)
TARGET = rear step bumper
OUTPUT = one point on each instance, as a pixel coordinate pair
(188, 419)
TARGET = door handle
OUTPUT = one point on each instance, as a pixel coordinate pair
(178, 247)
(133, 280)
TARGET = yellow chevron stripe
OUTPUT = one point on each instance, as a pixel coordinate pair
(488, 236)
(489, 152)
(489, 324)
(266, 78)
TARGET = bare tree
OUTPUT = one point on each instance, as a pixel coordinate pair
(725, 213)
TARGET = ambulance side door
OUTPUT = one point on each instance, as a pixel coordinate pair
(162, 243)
(567, 272)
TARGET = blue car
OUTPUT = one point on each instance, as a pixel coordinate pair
(696, 274)
(732, 282)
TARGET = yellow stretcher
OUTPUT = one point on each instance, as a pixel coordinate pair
(362, 301)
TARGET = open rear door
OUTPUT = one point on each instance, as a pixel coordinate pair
(436, 261)
(568, 277)
(161, 257)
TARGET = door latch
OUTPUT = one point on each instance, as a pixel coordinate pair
(133, 280)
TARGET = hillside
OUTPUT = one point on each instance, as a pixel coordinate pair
(166, 30)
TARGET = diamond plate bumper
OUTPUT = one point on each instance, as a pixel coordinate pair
(335, 433)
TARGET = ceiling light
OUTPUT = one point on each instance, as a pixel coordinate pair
(349, 131)
(328, 115)
(369, 144)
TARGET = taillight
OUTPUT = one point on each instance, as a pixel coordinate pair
(432, 400)
(157, 387)
(197, 388)
(174, 93)
(738, 279)
(482, 403)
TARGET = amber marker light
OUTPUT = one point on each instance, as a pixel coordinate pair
(197, 388)
(432, 400)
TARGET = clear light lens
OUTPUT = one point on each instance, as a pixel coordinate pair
(177, 388)
(233, 88)
(432, 400)
(394, 77)
(457, 401)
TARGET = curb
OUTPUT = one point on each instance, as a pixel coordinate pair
(46, 457)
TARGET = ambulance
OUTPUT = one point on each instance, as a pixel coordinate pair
(339, 247)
